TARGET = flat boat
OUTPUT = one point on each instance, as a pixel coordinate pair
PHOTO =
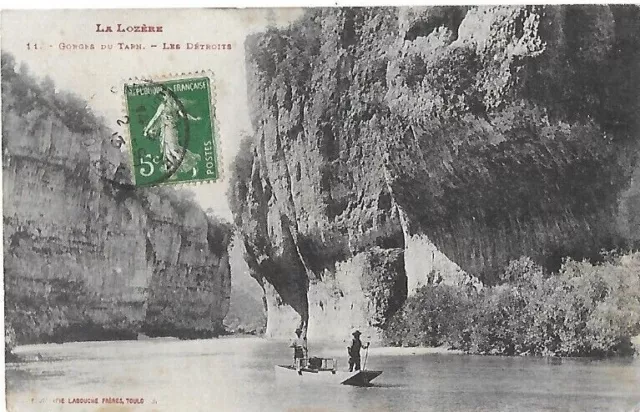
(324, 370)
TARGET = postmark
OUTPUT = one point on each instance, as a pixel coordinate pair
(173, 130)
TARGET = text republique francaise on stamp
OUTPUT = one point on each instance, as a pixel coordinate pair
(173, 132)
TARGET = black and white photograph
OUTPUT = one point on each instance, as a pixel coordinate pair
(322, 209)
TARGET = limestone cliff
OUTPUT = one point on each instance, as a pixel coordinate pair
(86, 255)
(397, 147)
(247, 312)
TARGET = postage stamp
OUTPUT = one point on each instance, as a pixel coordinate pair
(172, 129)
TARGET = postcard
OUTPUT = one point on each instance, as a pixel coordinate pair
(322, 209)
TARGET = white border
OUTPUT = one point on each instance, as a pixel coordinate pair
(146, 4)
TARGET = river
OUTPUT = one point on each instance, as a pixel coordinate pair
(236, 374)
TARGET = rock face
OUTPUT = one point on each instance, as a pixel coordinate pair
(87, 256)
(397, 147)
(247, 311)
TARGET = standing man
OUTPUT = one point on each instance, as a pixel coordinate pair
(354, 351)
(299, 346)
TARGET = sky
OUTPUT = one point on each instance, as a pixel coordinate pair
(97, 75)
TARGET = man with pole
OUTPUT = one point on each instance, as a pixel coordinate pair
(299, 345)
(354, 351)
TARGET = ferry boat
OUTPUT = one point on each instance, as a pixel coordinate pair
(324, 370)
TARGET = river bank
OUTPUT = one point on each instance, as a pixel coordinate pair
(31, 352)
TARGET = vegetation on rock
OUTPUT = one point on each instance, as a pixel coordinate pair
(24, 95)
(583, 310)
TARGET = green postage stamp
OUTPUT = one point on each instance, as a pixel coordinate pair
(173, 130)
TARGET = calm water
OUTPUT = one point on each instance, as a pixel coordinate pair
(237, 375)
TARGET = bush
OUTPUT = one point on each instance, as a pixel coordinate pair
(583, 310)
(435, 315)
(22, 93)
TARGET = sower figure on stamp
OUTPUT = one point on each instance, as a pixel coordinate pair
(299, 346)
(165, 123)
(354, 351)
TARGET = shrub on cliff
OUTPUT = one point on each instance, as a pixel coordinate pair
(23, 94)
(584, 310)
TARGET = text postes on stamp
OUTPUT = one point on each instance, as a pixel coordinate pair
(173, 130)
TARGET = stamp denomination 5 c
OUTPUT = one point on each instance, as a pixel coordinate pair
(173, 130)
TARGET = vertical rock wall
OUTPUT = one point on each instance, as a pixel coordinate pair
(86, 256)
(458, 137)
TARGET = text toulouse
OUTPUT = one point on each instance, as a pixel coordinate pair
(93, 400)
